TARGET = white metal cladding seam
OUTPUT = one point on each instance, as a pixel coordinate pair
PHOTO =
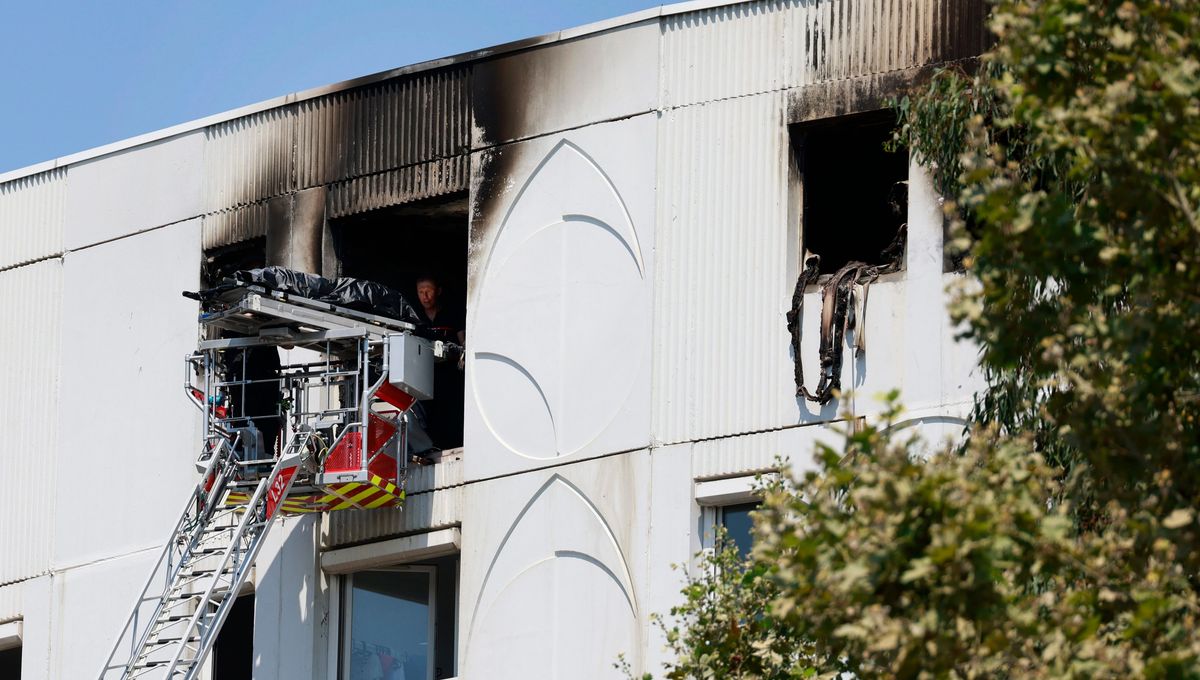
(401, 185)
(234, 225)
(32, 214)
(721, 362)
(11, 602)
(31, 297)
(421, 512)
(248, 159)
(393, 124)
(760, 451)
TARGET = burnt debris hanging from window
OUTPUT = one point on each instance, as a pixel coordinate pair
(855, 194)
(855, 202)
(420, 249)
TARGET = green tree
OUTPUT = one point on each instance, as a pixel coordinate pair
(1061, 539)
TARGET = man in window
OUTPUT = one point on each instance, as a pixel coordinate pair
(443, 413)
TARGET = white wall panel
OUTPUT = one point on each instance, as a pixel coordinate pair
(287, 582)
(130, 191)
(88, 607)
(567, 84)
(31, 300)
(553, 562)
(562, 263)
(722, 355)
(38, 616)
(910, 336)
(723, 52)
(31, 217)
(127, 434)
(672, 540)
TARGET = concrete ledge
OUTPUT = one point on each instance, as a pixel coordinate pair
(393, 551)
(726, 491)
(10, 635)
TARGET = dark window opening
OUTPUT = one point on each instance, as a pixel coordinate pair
(739, 525)
(400, 622)
(403, 246)
(233, 653)
(220, 263)
(855, 194)
(10, 664)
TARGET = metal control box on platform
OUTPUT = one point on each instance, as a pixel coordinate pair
(410, 367)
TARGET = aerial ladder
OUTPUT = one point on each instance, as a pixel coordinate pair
(341, 416)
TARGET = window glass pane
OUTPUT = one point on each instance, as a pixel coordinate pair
(390, 637)
(737, 523)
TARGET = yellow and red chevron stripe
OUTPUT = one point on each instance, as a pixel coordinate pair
(376, 492)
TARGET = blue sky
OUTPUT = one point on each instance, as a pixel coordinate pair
(82, 74)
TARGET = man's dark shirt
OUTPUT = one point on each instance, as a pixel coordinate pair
(446, 325)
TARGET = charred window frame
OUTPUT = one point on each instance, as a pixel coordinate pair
(220, 263)
(849, 194)
(398, 245)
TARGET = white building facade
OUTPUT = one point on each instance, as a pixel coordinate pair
(622, 209)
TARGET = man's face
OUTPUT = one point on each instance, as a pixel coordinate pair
(427, 293)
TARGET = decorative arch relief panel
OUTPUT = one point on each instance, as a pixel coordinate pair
(552, 564)
(560, 294)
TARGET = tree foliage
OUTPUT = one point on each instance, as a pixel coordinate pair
(1062, 539)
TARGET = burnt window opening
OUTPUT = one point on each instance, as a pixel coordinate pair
(10, 663)
(233, 653)
(220, 263)
(854, 193)
(400, 246)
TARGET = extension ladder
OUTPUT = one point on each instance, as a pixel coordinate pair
(197, 578)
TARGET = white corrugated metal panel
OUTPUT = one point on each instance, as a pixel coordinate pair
(249, 159)
(762, 451)
(723, 52)
(31, 297)
(234, 225)
(395, 123)
(746, 48)
(31, 217)
(11, 605)
(421, 512)
(721, 363)
(393, 187)
(445, 473)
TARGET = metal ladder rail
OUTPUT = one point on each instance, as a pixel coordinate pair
(177, 602)
(167, 568)
(256, 522)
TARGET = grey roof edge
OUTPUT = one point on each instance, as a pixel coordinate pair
(311, 93)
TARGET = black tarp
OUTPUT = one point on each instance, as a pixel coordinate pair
(357, 294)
